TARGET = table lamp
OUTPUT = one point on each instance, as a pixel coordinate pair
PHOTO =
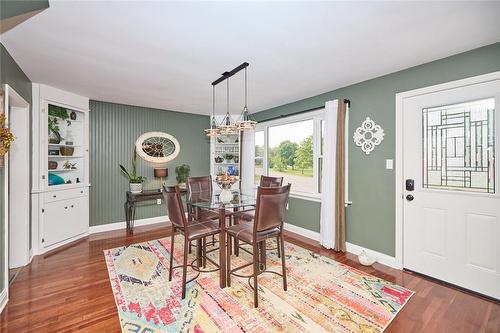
(161, 173)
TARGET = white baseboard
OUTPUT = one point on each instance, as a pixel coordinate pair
(3, 299)
(351, 248)
(123, 225)
(380, 257)
(302, 231)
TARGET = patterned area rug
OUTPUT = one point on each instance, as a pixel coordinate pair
(323, 295)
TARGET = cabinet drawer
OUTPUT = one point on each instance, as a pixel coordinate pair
(65, 194)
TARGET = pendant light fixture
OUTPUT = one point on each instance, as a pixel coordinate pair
(245, 122)
(213, 131)
(228, 125)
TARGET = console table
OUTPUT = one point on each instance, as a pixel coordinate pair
(133, 198)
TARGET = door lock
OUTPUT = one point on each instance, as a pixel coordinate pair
(410, 185)
(410, 197)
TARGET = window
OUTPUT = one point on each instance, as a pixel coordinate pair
(458, 146)
(259, 155)
(292, 148)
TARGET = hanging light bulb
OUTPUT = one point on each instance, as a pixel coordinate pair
(213, 131)
(245, 122)
(227, 126)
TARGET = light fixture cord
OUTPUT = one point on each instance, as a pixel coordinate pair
(246, 87)
(212, 123)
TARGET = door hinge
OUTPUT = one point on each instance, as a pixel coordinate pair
(43, 210)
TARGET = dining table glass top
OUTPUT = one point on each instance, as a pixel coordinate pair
(239, 200)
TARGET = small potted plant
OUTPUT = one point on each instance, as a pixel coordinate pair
(228, 157)
(182, 174)
(134, 180)
(56, 113)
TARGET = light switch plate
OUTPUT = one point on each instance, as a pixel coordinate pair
(158, 201)
(389, 164)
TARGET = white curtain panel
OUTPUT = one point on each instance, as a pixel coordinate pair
(248, 161)
(327, 220)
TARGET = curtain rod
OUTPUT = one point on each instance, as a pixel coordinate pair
(346, 101)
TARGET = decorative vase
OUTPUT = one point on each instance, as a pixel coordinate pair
(226, 195)
(54, 138)
(135, 187)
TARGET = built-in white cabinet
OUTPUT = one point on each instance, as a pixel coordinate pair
(225, 156)
(60, 173)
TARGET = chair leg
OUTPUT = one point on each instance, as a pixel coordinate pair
(255, 274)
(278, 246)
(228, 265)
(184, 267)
(204, 252)
(171, 254)
(190, 247)
(199, 252)
(283, 267)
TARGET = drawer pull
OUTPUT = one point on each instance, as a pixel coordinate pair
(54, 196)
(65, 207)
(72, 206)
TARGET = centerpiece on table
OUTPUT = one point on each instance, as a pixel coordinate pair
(225, 181)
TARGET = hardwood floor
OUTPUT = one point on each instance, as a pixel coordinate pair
(67, 290)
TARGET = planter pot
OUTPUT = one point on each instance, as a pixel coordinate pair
(135, 187)
(54, 138)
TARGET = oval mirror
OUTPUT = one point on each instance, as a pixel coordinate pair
(157, 147)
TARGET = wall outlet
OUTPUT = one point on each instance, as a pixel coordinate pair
(158, 201)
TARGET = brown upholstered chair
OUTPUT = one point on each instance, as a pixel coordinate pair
(200, 189)
(265, 181)
(195, 230)
(268, 222)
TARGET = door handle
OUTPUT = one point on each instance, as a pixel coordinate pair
(410, 197)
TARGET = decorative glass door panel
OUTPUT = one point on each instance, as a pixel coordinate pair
(459, 146)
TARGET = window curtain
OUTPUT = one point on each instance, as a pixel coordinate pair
(332, 222)
(247, 157)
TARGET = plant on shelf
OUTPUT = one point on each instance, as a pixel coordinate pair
(56, 113)
(228, 157)
(134, 180)
(182, 173)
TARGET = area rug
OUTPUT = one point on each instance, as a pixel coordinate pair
(323, 295)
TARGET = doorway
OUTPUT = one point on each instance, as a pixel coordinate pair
(17, 185)
(448, 183)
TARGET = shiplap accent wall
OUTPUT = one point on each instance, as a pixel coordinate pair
(113, 131)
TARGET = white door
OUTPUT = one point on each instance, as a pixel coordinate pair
(451, 220)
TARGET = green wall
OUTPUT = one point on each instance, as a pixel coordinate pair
(113, 131)
(371, 218)
(10, 8)
(11, 74)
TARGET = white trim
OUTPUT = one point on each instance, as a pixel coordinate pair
(306, 196)
(4, 298)
(302, 231)
(380, 257)
(123, 225)
(399, 146)
(351, 248)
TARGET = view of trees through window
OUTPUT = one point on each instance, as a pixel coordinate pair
(290, 154)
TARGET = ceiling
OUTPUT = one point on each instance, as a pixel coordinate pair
(165, 54)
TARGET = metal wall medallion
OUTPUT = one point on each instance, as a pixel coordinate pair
(157, 147)
(368, 135)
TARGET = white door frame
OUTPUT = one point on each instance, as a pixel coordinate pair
(400, 97)
(11, 99)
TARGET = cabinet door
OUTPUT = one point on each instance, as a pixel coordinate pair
(64, 219)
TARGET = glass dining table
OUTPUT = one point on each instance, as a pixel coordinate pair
(240, 203)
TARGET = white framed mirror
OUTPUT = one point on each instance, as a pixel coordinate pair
(157, 147)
